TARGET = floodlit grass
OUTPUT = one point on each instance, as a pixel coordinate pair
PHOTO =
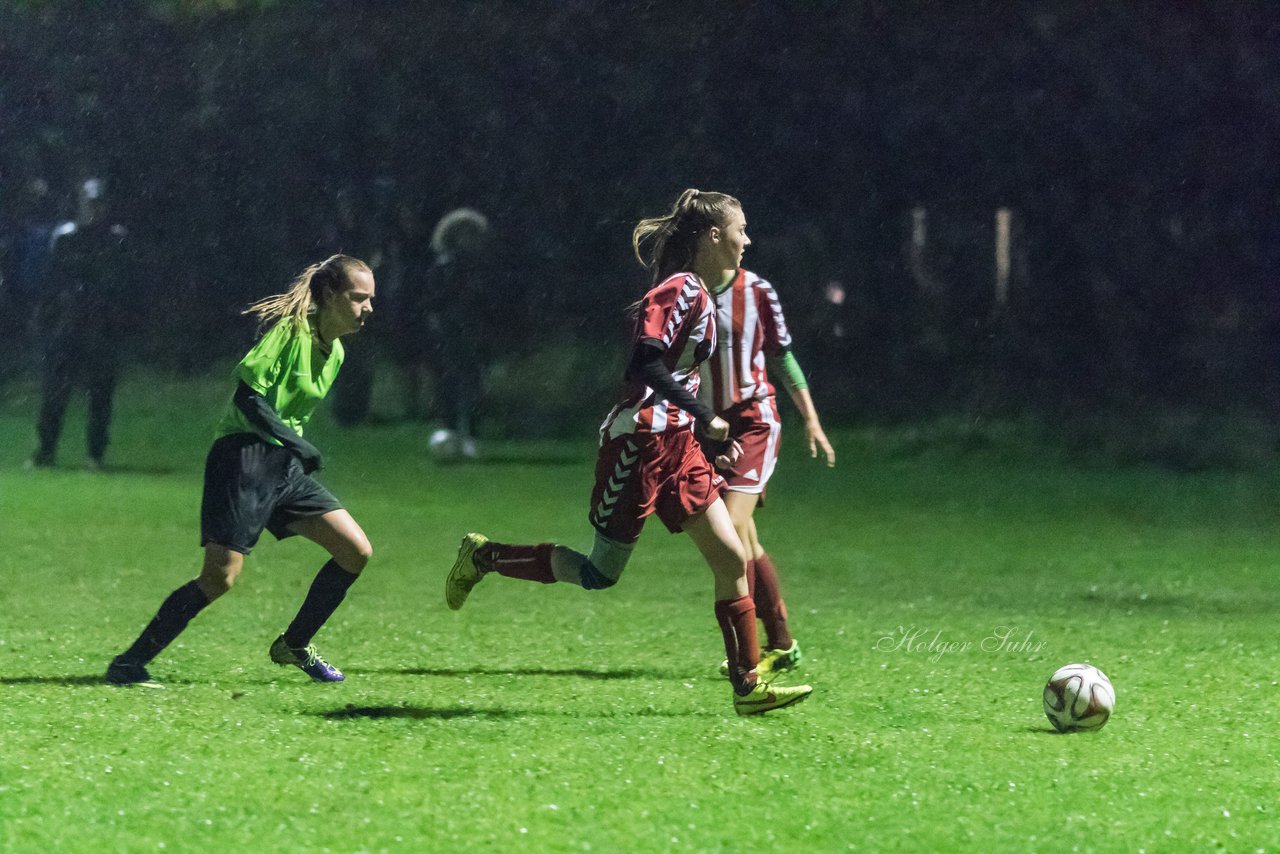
(549, 718)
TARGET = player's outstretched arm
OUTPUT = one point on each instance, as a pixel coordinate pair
(813, 427)
(793, 378)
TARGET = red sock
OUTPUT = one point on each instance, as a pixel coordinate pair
(751, 579)
(769, 604)
(531, 563)
(737, 619)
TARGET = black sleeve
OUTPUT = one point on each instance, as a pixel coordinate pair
(261, 415)
(646, 364)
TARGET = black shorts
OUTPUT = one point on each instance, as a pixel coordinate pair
(249, 485)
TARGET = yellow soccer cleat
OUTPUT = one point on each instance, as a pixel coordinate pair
(765, 698)
(465, 574)
(772, 661)
(775, 661)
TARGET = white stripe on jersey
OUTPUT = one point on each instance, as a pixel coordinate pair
(641, 411)
(770, 416)
(749, 329)
(746, 312)
(775, 308)
(687, 294)
(659, 422)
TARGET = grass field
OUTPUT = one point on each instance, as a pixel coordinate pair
(553, 719)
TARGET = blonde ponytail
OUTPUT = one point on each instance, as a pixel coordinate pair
(308, 290)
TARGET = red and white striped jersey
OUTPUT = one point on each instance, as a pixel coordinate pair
(749, 325)
(679, 313)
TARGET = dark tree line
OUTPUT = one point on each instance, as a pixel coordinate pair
(1134, 144)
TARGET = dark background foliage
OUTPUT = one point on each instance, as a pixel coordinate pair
(1135, 144)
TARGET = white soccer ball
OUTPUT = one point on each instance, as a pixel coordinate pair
(1079, 697)
(451, 446)
(444, 444)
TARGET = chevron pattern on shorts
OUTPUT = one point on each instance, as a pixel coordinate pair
(617, 480)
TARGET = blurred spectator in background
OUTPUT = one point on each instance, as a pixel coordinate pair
(408, 338)
(462, 294)
(24, 259)
(356, 228)
(82, 322)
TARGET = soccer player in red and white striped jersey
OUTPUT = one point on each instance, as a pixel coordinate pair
(751, 336)
(650, 460)
(676, 317)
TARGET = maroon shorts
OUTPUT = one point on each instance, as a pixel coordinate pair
(755, 424)
(642, 473)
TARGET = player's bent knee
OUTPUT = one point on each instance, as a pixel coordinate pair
(730, 566)
(219, 572)
(214, 585)
(354, 556)
(733, 559)
(605, 565)
(355, 561)
(593, 578)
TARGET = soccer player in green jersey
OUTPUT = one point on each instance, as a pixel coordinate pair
(258, 472)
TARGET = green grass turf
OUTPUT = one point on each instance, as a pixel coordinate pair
(549, 718)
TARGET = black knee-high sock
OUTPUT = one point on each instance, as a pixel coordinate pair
(324, 597)
(173, 616)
